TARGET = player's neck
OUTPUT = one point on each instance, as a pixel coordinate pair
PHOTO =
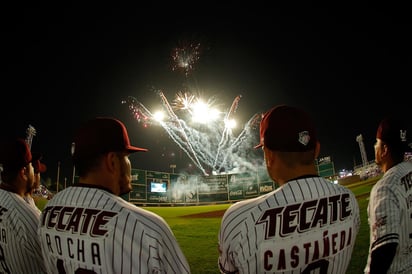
(12, 188)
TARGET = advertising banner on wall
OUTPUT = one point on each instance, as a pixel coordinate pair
(139, 189)
(212, 188)
(183, 188)
(161, 187)
(243, 186)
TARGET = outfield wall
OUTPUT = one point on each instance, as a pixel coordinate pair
(161, 188)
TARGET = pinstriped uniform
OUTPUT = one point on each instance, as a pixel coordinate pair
(19, 244)
(29, 199)
(89, 228)
(307, 224)
(390, 215)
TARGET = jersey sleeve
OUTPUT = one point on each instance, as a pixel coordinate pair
(384, 214)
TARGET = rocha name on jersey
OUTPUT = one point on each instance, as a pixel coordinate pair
(75, 233)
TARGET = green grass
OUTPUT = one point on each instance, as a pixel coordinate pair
(40, 202)
(196, 236)
(360, 252)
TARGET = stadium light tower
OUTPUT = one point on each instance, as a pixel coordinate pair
(359, 139)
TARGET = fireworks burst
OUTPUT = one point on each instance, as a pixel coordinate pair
(183, 101)
(212, 146)
(185, 57)
(203, 132)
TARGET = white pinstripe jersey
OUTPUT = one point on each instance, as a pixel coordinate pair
(91, 229)
(390, 215)
(29, 199)
(19, 244)
(308, 225)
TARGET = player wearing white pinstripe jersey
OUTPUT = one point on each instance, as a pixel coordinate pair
(89, 227)
(306, 225)
(19, 245)
(390, 203)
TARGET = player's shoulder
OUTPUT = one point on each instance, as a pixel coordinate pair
(140, 213)
(244, 207)
(395, 173)
(20, 210)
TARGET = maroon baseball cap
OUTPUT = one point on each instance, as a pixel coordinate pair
(14, 154)
(102, 135)
(287, 128)
(393, 132)
(38, 166)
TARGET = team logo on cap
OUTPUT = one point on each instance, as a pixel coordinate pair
(403, 135)
(304, 137)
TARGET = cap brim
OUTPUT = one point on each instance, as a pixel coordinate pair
(136, 149)
(258, 146)
(42, 167)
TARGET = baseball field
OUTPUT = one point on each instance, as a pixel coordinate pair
(196, 229)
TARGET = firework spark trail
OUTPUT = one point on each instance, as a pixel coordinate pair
(201, 143)
(180, 143)
(139, 111)
(181, 129)
(241, 137)
(227, 130)
(168, 107)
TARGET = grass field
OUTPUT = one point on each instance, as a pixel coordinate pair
(198, 236)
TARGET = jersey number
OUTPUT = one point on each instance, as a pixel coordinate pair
(61, 269)
(322, 265)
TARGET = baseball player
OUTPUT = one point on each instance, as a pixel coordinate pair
(89, 228)
(19, 245)
(389, 209)
(38, 168)
(306, 225)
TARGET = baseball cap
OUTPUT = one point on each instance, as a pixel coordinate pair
(14, 154)
(287, 128)
(38, 166)
(393, 132)
(102, 135)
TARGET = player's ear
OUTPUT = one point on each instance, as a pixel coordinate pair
(269, 157)
(24, 172)
(110, 160)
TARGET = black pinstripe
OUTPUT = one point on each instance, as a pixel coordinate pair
(246, 236)
(137, 240)
(390, 216)
(19, 244)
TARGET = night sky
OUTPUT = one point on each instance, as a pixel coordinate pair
(349, 67)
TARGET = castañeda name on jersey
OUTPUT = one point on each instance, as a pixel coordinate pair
(294, 222)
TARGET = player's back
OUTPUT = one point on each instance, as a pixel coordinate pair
(391, 197)
(19, 246)
(88, 228)
(306, 224)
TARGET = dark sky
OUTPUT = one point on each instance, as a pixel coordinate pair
(347, 66)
